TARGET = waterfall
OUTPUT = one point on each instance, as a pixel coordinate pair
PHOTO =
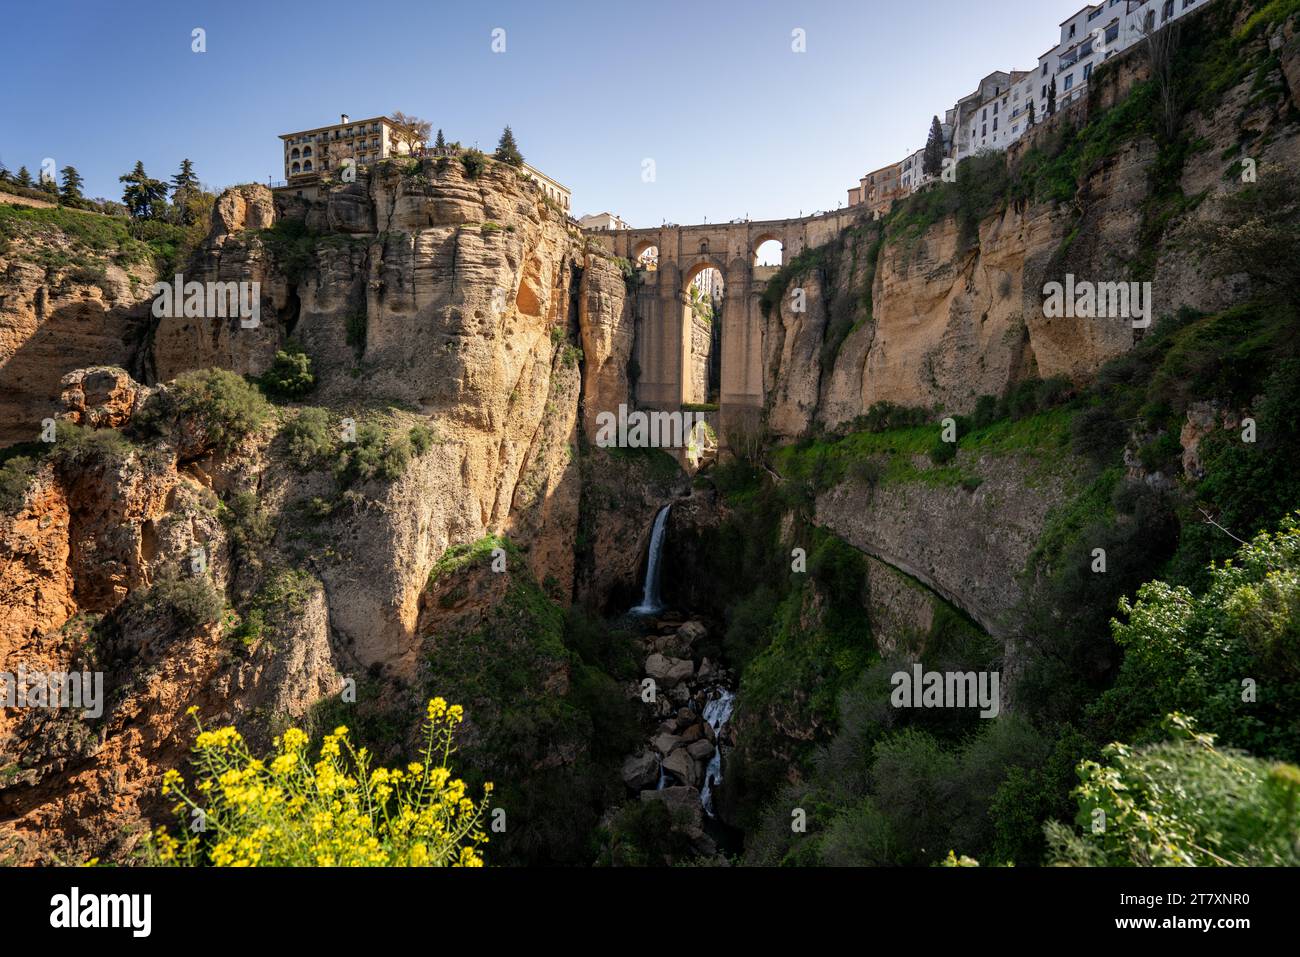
(716, 714)
(650, 603)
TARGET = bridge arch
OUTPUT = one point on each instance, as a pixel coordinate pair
(665, 330)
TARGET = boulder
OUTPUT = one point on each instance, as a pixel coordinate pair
(666, 743)
(701, 750)
(685, 767)
(641, 771)
(669, 672)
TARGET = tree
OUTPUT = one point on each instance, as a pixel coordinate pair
(441, 142)
(49, 184)
(932, 164)
(185, 179)
(72, 183)
(144, 197)
(4, 173)
(185, 188)
(507, 150)
(410, 131)
(1184, 803)
(24, 177)
(1032, 119)
(1051, 98)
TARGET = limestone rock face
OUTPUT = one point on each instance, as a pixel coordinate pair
(56, 320)
(242, 208)
(947, 537)
(936, 318)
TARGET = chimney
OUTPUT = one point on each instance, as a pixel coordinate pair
(343, 117)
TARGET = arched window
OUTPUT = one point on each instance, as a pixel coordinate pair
(306, 167)
(307, 151)
(297, 167)
(294, 154)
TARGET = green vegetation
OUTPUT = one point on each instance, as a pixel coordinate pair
(221, 407)
(552, 722)
(190, 602)
(1183, 803)
(290, 375)
(274, 608)
(80, 244)
(16, 476)
(309, 439)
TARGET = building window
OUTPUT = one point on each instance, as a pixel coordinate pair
(1168, 11)
(995, 125)
(1087, 71)
(306, 167)
(306, 151)
(1069, 81)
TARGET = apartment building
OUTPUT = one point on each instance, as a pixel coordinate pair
(879, 188)
(603, 221)
(308, 153)
(560, 194)
(997, 113)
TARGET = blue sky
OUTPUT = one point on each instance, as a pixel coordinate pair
(735, 121)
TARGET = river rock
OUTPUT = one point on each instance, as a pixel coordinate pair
(641, 771)
(666, 743)
(693, 733)
(684, 766)
(669, 672)
(700, 750)
(706, 670)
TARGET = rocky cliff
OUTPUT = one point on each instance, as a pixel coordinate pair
(942, 301)
(459, 308)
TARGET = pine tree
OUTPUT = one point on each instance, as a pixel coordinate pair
(932, 163)
(1032, 120)
(72, 183)
(145, 198)
(440, 143)
(185, 180)
(1051, 98)
(507, 150)
(24, 177)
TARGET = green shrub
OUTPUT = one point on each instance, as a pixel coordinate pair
(79, 445)
(191, 602)
(16, 477)
(374, 455)
(309, 439)
(1098, 435)
(421, 438)
(221, 406)
(870, 471)
(943, 452)
(1183, 803)
(474, 163)
(290, 375)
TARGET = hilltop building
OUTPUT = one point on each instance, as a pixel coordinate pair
(996, 114)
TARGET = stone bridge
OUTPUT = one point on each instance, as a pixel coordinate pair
(669, 343)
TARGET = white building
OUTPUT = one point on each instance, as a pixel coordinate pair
(997, 113)
(603, 221)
